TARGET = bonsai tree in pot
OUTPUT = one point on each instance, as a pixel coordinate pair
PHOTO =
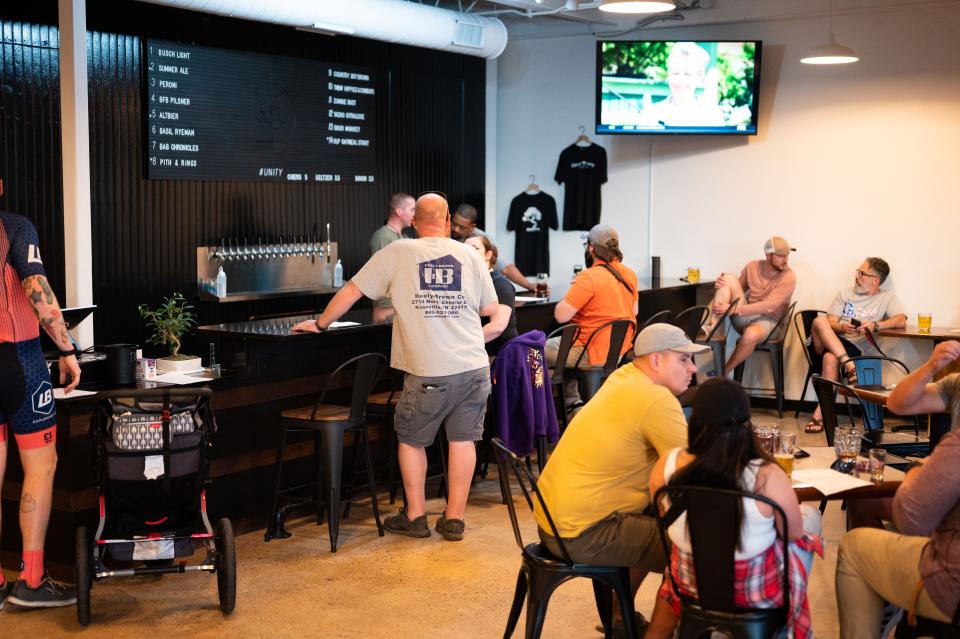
(168, 323)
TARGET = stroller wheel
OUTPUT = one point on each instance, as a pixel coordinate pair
(226, 566)
(84, 575)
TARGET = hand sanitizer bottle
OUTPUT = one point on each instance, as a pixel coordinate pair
(221, 283)
(338, 275)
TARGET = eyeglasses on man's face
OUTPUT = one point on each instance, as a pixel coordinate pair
(861, 274)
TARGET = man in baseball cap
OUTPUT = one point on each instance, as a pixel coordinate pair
(596, 486)
(605, 291)
(764, 289)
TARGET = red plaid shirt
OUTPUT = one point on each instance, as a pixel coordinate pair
(757, 582)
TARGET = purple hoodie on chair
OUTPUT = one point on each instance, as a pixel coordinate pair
(522, 394)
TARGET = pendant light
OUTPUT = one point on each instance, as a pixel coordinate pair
(637, 6)
(830, 52)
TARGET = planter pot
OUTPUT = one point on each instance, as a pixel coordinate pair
(167, 365)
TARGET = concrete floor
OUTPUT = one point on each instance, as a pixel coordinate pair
(372, 587)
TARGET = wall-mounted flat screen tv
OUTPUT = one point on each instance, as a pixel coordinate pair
(671, 87)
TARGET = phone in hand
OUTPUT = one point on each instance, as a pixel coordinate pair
(855, 322)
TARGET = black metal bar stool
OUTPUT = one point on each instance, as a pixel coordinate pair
(329, 423)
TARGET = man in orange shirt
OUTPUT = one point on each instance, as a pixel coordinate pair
(606, 290)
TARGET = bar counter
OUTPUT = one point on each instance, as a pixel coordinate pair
(265, 369)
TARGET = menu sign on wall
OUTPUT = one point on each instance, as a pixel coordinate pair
(213, 114)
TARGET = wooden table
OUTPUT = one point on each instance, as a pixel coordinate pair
(822, 457)
(936, 333)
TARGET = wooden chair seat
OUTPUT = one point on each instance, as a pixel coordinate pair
(325, 413)
(381, 399)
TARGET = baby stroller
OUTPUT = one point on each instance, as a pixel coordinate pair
(147, 513)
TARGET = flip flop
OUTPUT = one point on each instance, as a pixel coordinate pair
(814, 426)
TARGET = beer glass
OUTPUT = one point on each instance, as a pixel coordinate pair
(924, 322)
(693, 274)
(784, 449)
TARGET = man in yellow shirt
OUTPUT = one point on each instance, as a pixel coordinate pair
(596, 485)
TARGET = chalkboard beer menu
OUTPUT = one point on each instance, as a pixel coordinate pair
(214, 114)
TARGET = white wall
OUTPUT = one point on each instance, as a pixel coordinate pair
(851, 161)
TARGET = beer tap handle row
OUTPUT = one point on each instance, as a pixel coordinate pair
(232, 250)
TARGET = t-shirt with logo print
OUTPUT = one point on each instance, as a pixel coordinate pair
(582, 169)
(437, 286)
(532, 217)
(848, 305)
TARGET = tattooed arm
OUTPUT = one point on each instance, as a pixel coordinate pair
(47, 310)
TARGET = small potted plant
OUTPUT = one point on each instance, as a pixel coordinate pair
(169, 322)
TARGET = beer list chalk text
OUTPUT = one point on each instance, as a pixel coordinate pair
(222, 115)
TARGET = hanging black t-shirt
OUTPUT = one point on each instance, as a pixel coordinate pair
(583, 169)
(532, 217)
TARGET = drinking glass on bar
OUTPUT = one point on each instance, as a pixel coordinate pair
(877, 461)
(785, 447)
(693, 274)
(542, 284)
(924, 322)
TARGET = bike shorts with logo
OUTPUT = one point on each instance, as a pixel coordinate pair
(26, 395)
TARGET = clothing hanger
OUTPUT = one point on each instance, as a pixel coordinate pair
(533, 188)
(582, 139)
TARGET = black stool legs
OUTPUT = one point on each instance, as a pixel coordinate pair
(328, 457)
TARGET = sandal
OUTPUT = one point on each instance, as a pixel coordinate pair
(814, 426)
(849, 373)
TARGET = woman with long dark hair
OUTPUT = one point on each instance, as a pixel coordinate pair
(723, 453)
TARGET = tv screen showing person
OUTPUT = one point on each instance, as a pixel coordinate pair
(677, 87)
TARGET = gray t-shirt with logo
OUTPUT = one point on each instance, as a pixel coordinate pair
(437, 286)
(949, 388)
(848, 304)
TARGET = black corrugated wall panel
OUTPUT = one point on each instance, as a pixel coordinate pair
(430, 136)
(30, 136)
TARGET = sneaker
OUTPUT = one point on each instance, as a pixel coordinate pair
(399, 525)
(451, 529)
(49, 594)
(5, 591)
(891, 617)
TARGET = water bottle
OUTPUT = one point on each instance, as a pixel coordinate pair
(338, 275)
(221, 283)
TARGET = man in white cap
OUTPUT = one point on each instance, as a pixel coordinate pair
(596, 486)
(764, 289)
(606, 290)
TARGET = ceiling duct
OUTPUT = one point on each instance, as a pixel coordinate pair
(391, 21)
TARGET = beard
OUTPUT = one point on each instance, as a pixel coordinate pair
(588, 258)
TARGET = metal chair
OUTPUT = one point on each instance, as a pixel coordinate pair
(894, 443)
(590, 379)
(541, 572)
(691, 320)
(663, 317)
(870, 373)
(568, 335)
(929, 628)
(803, 323)
(718, 346)
(328, 423)
(714, 538)
(773, 345)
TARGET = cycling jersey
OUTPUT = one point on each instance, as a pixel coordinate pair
(26, 394)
